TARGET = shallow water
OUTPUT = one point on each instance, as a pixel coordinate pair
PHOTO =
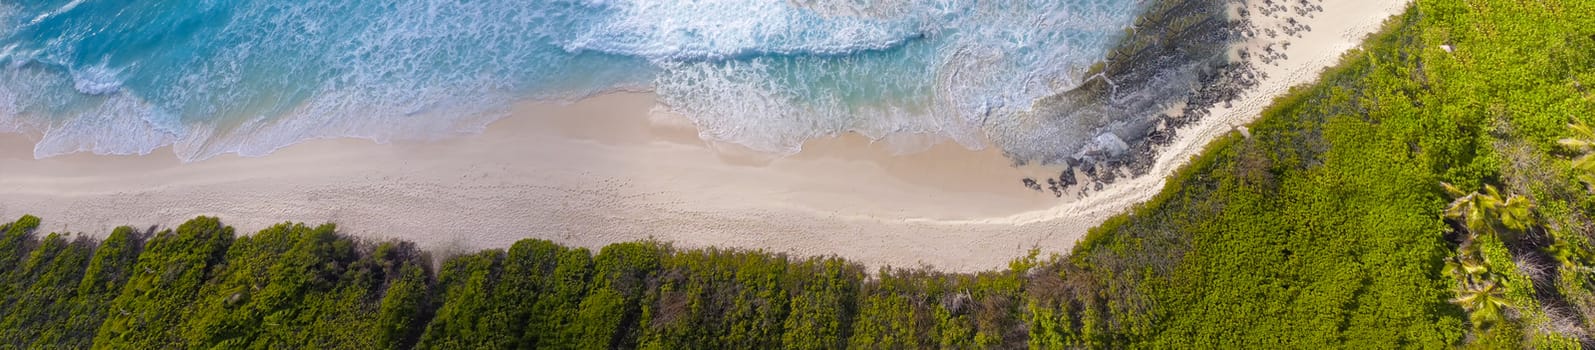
(249, 76)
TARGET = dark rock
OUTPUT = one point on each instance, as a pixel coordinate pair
(1031, 184)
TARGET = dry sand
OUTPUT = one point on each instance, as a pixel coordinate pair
(618, 168)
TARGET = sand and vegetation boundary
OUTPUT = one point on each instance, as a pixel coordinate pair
(617, 168)
(1325, 224)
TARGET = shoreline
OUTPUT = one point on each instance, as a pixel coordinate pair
(605, 169)
(615, 168)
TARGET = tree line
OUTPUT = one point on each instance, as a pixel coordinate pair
(202, 285)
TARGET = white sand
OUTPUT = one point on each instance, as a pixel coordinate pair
(613, 168)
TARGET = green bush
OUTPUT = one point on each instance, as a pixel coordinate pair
(151, 310)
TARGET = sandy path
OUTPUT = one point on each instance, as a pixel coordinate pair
(613, 168)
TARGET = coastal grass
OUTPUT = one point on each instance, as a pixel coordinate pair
(1326, 227)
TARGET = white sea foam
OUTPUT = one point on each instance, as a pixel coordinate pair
(117, 126)
(9, 122)
(979, 76)
(8, 20)
(328, 116)
(695, 29)
(763, 75)
(96, 80)
(64, 8)
(9, 109)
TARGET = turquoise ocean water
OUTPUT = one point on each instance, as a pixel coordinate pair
(210, 77)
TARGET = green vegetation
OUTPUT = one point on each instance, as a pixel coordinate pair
(56, 290)
(293, 286)
(1344, 220)
(151, 309)
(52, 271)
(1479, 289)
(1327, 226)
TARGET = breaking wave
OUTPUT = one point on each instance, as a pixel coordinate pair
(250, 76)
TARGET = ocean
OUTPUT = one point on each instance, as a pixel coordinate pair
(212, 77)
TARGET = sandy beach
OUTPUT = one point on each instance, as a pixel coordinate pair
(619, 167)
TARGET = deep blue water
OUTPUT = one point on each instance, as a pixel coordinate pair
(249, 76)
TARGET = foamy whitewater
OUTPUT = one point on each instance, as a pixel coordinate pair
(209, 77)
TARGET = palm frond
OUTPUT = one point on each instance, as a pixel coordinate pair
(1583, 140)
(1459, 207)
(1517, 213)
(1486, 303)
(1585, 162)
(1452, 190)
(1574, 144)
(1475, 269)
(1581, 130)
(1588, 180)
(1477, 222)
(1491, 194)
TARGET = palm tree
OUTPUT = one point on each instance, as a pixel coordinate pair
(1470, 270)
(1483, 212)
(1470, 208)
(1517, 213)
(1466, 268)
(1478, 290)
(1485, 302)
(1583, 141)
